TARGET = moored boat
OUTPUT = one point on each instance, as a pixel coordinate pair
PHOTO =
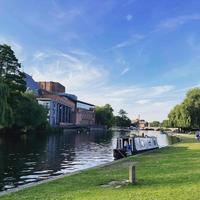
(127, 146)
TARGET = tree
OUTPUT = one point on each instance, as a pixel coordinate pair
(179, 117)
(165, 123)
(12, 83)
(37, 114)
(17, 108)
(192, 104)
(6, 116)
(187, 114)
(104, 115)
(122, 120)
(122, 113)
(10, 71)
(155, 124)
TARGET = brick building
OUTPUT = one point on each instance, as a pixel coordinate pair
(51, 86)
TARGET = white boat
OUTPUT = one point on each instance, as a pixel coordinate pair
(134, 144)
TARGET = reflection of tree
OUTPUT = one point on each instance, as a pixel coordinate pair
(15, 151)
(98, 137)
(45, 151)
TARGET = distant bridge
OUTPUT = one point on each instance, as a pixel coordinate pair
(159, 128)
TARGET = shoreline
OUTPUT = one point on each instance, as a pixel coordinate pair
(160, 174)
(51, 179)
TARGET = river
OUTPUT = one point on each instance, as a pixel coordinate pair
(30, 158)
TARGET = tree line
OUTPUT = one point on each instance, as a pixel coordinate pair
(185, 116)
(19, 109)
(104, 116)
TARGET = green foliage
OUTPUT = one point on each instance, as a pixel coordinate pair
(155, 124)
(17, 109)
(122, 113)
(6, 116)
(166, 123)
(187, 114)
(122, 120)
(11, 74)
(104, 115)
(30, 115)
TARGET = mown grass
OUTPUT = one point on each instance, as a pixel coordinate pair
(172, 173)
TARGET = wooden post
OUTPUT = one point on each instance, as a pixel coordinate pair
(132, 176)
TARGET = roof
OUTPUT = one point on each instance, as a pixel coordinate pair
(30, 83)
(78, 101)
(53, 82)
(55, 98)
(69, 96)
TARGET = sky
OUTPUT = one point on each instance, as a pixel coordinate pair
(138, 55)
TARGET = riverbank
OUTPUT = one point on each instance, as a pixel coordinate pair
(169, 173)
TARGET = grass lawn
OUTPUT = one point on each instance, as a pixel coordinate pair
(172, 173)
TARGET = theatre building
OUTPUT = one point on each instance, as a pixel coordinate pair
(63, 108)
(61, 111)
(85, 113)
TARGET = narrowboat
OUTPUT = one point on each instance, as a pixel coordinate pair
(131, 145)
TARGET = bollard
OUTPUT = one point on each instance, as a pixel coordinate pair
(132, 177)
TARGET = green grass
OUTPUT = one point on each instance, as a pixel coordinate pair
(171, 173)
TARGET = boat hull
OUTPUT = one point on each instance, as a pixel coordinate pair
(134, 145)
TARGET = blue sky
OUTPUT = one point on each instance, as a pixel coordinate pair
(140, 55)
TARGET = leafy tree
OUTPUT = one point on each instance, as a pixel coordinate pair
(12, 83)
(10, 72)
(179, 117)
(122, 120)
(37, 114)
(187, 114)
(104, 115)
(5, 110)
(192, 104)
(165, 123)
(122, 113)
(17, 108)
(155, 124)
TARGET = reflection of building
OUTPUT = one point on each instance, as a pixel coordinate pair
(53, 87)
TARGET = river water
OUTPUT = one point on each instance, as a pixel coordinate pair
(30, 158)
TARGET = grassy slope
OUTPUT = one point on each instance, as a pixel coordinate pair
(170, 173)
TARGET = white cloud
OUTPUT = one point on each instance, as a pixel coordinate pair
(151, 102)
(17, 48)
(131, 41)
(129, 17)
(175, 22)
(76, 72)
(143, 101)
(40, 55)
(186, 70)
(84, 75)
(127, 69)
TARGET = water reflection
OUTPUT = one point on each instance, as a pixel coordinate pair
(30, 158)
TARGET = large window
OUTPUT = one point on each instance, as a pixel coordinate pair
(85, 106)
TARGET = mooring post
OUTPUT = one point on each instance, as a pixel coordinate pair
(132, 175)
